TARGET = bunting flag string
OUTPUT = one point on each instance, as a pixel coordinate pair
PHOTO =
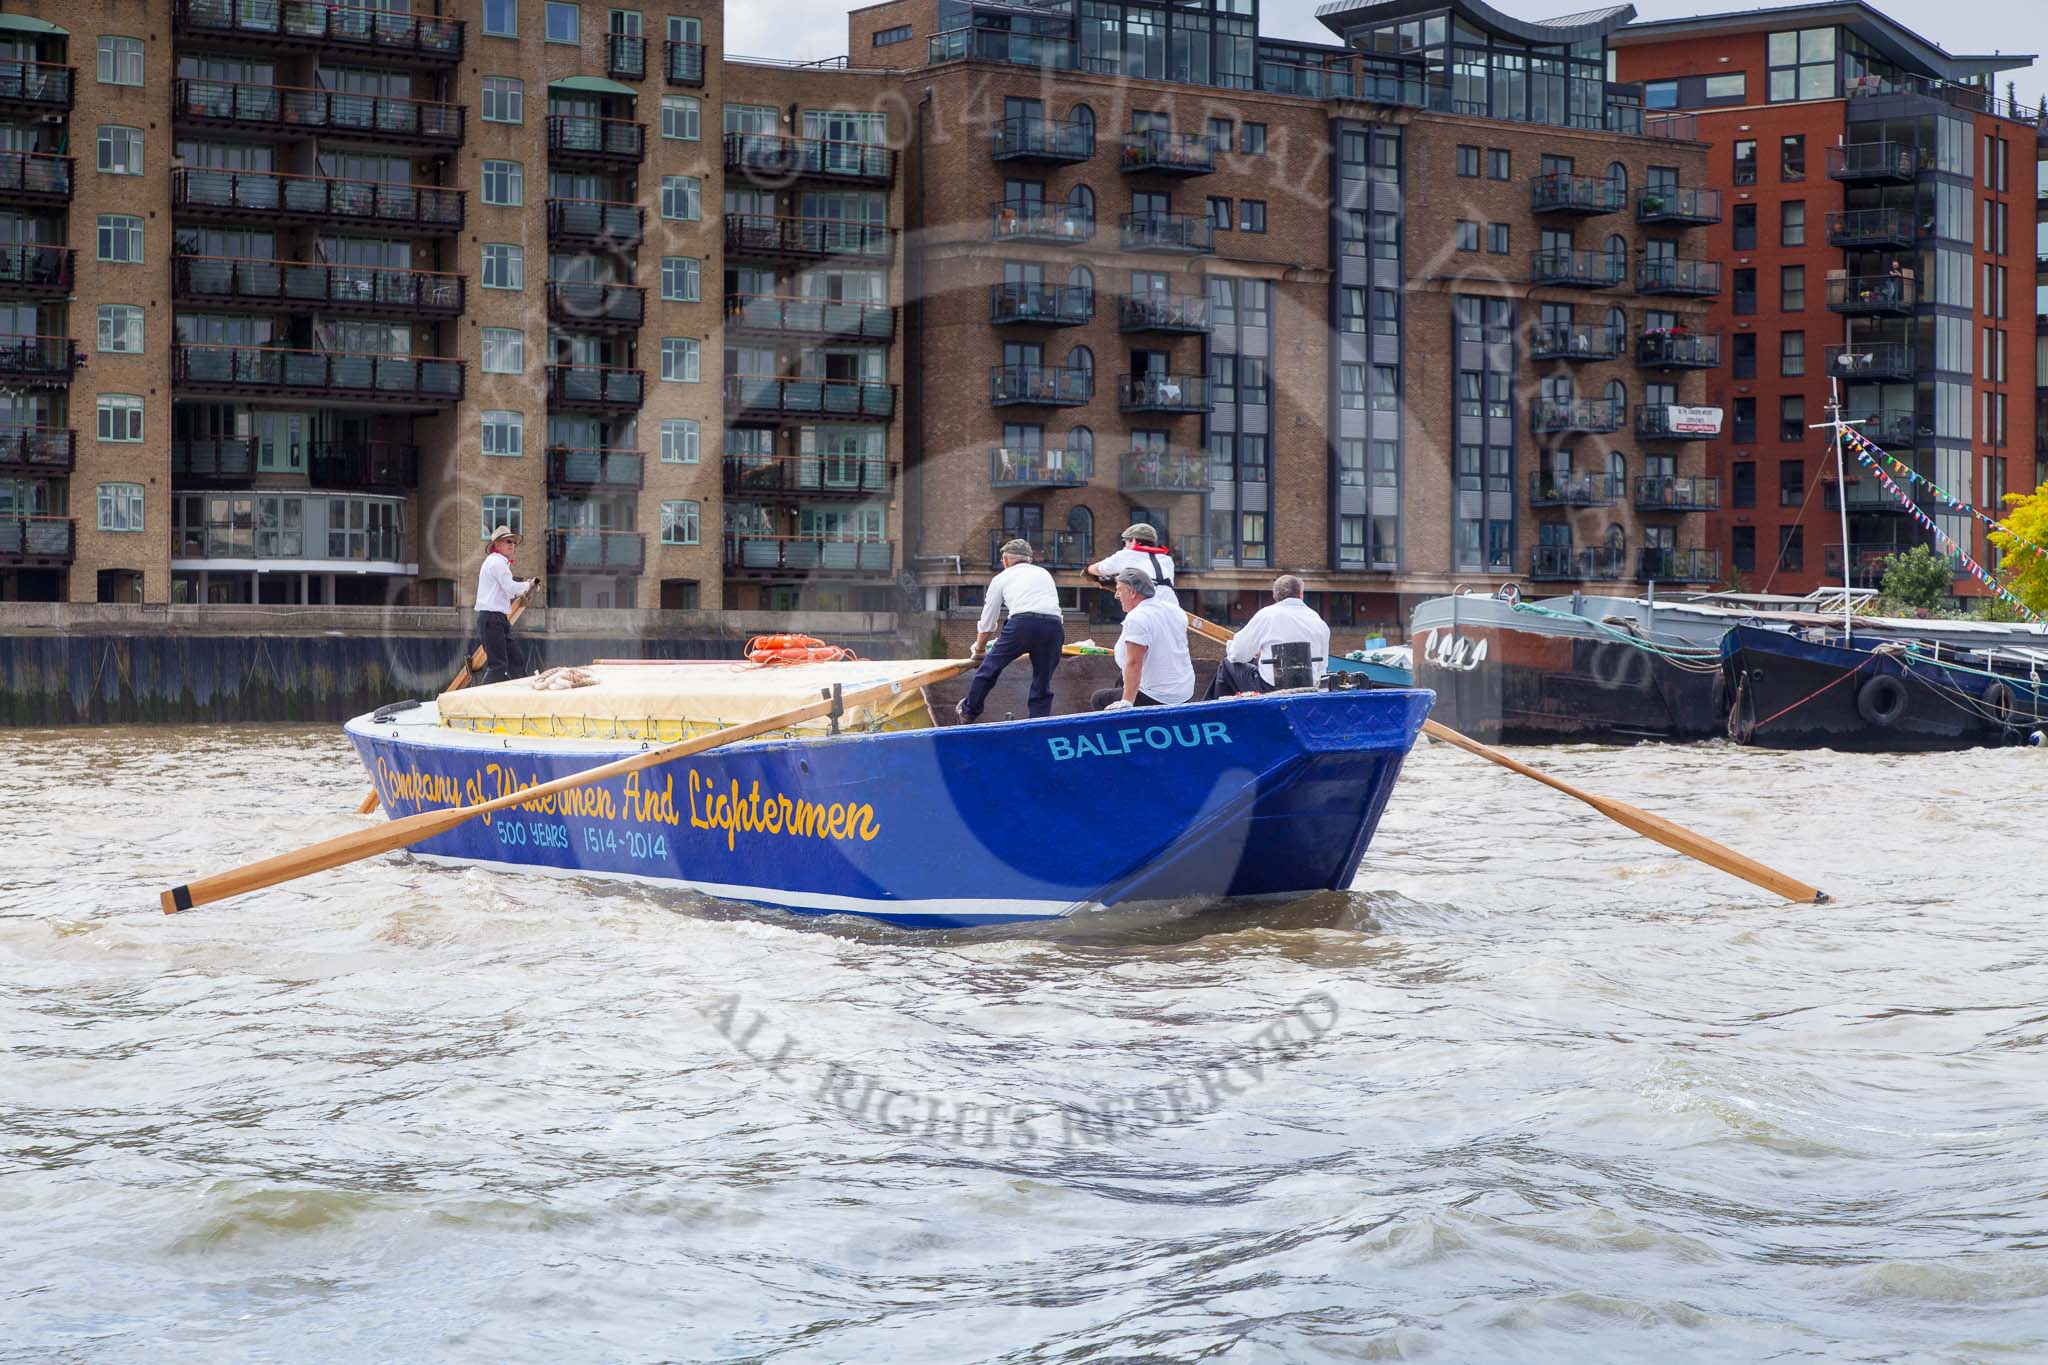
(1864, 443)
(1926, 523)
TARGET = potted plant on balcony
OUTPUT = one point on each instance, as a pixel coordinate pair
(1652, 203)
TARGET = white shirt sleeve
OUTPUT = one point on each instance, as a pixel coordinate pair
(992, 605)
(1245, 647)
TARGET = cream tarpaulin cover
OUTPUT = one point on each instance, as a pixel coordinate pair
(675, 700)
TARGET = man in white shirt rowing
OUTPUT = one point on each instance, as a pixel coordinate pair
(1248, 661)
(1027, 594)
(1141, 550)
(1153, 649)
(495, 589)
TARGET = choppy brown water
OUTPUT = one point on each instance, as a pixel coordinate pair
(1535, 1091)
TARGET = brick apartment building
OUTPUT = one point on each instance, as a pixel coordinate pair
(1844, 143)
(1431, 303)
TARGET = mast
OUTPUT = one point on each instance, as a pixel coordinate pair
(1842, 505)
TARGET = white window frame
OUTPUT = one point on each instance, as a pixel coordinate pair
(508, 93)
(501, 509)
(688, 272)
(128, 318)
(691, 192)
(512, 9)
(511, 266)
(497, 425)
(688, 124)
(514, 175)
(682, 440)
(682, 360)
(109, 54)
(547, 27)
(120, 507)
(507, 347)
(678, 514)
(109, 139)
(115, 414)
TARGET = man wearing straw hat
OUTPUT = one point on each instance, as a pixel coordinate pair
(495, 589)
(1035, 627)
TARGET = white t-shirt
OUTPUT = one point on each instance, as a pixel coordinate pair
(1138, 559)
(495, 585)
(1020, 590)
(1285, 622)
(1161, 626)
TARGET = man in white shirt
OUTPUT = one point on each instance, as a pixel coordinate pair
(495, 589)
(1248, 661)
(1035, 627)
(1153, 648)
(1141, 550)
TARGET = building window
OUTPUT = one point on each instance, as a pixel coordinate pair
(1497, 238)
(120, 238)
(681, 279)
(504, 183)
(120, 150)
(1351, 387)
(504, 433)
(1802, 65)
(1791, 483)
(1251, 139)
(1386, 312)
(1792, 157)
(1500, 164)
(682, 197)
(504, 350)
(504, 266)
(1744, 291)
(682, 118)
(1792, 354)
(680, 359)
(501, 18)
(1386, 388)
(1743, 360)
(1792, 418)
(889, 37)
(1468, 162)
(120, 329)
(680, 522)
(1743, 426)
(1222, 135)
(1745, 549)
(120, 60)
(1744, 224)
(502, 509)
(1730, 87)
(1351, 310)
(504, 99)
(564, 23)
(1744, 483)
(1745, 162)
(1386, 234)
(1792, 288)
(1792, 223)
(1219, 215)
(1792, 548)
(1251, 215)
(120, 418)
(1660, 95)
(1467, 238)
(681, 441)
(120, 506)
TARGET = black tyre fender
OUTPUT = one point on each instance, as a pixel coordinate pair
(2002, 703)
(1882, 701)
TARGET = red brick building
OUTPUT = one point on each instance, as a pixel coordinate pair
(1880, 235)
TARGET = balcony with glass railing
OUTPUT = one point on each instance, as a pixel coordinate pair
(1874, 296)
(352, 31)
(1573, 488)
(593, 306)
(596, 222)
(1663, 493)
(363, 464)
(1162, 153)
(829, 319)
(36, 87)
(34, 178)
(1678, 206)
(1018, 303)
(1000, 45)
(1870, 360)
(1163, 471)
(1675, 277)
(1163, 314)
(1179, 234)
(809, 478)
(1562, 342)
(1874, 163)
(587, 140)
(1673, 351)
(383, 205)
(430, 381)
(770, 236)
(596, 388)
(1892, 428)
(1042, 386)
(30, 269)
(1577, 564)
(1678, 566)
(247, 282)
(1873, 229)
(1166, 393)
(1035, 140)
(1030, 467)
(1567, 416)
(777, 156)
(773, 399)
(578, 550)
(1022, 220)
(1577, 269)
(752, 555)
(37, 542)
(596, 469)
(1049, 549)
(1581, 195)
(38, 450)
(233, 106)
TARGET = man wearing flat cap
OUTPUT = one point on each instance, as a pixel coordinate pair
(1141, 550)
(495, 589)
(1152, 651)
(1028, 595)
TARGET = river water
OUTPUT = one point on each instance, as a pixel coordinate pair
(1536, 1090)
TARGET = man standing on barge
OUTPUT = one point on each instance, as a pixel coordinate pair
(495, 590)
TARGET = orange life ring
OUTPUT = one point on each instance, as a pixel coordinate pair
(794, 649)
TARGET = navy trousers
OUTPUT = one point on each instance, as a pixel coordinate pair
(1039, 636)
(501, 658)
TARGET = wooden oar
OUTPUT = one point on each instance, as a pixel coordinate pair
(474, 665)
(1633, 817)
(407, 830)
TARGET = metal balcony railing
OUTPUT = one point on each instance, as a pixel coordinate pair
(1033, 138)
(808, 476)
(1175, 471)
(1869, 229)
(1577, 564)
(38, 450)
(1596, 415)
(1049, 549)
(578, 303)
(1162, 393)
(1871, 360)
(1656, 493)
(1023, 220)
(38, 85)
(1671, 422)
(585, 137)
(810, 317)
(579, 551)
(1680, 278)
(211, 462)
(1162, 153)
(331, 113)
(1874, 163)
(596, 386)
(31, 268)
(1577, 269)
(349, 29)
(776, 155)
(1039, 386)
(1677, 351)
(757, 234)
(1874, 295)
(35, 177)
(37, 540)
(1580, 194)
(1575, 343)
(1185, 234)
(1679, 566)
(1170, 314)
(1678, 205)
(683, 63)
(596, 469)
(822, 556)
(625, 56)
(336, 288)
(363, 464)
(391, 378)
(846, 399)
(1890, 427)
(1580, 488)
(1017, 303)
(37, 360)
(377, 203)
(597, 222)
(1028, 468)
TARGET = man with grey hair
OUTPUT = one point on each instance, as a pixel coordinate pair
(1141, 550)
(1248, 661)
(1153, 648)
(1035, 627)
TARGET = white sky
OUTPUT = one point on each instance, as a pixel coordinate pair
(808, 29)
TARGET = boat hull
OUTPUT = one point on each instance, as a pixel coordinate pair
(1788, 692)
(967, 825)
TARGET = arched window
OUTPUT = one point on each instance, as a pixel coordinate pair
(1081, 522)
(1617, 247)
(1081, 451)
(1081, 200)
(1617, 324)
(1081, 280)
(1617, 472)
(1082, 119)
(1617, 394)
(1617, 539)
(1617, 176)
(1082, 359)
